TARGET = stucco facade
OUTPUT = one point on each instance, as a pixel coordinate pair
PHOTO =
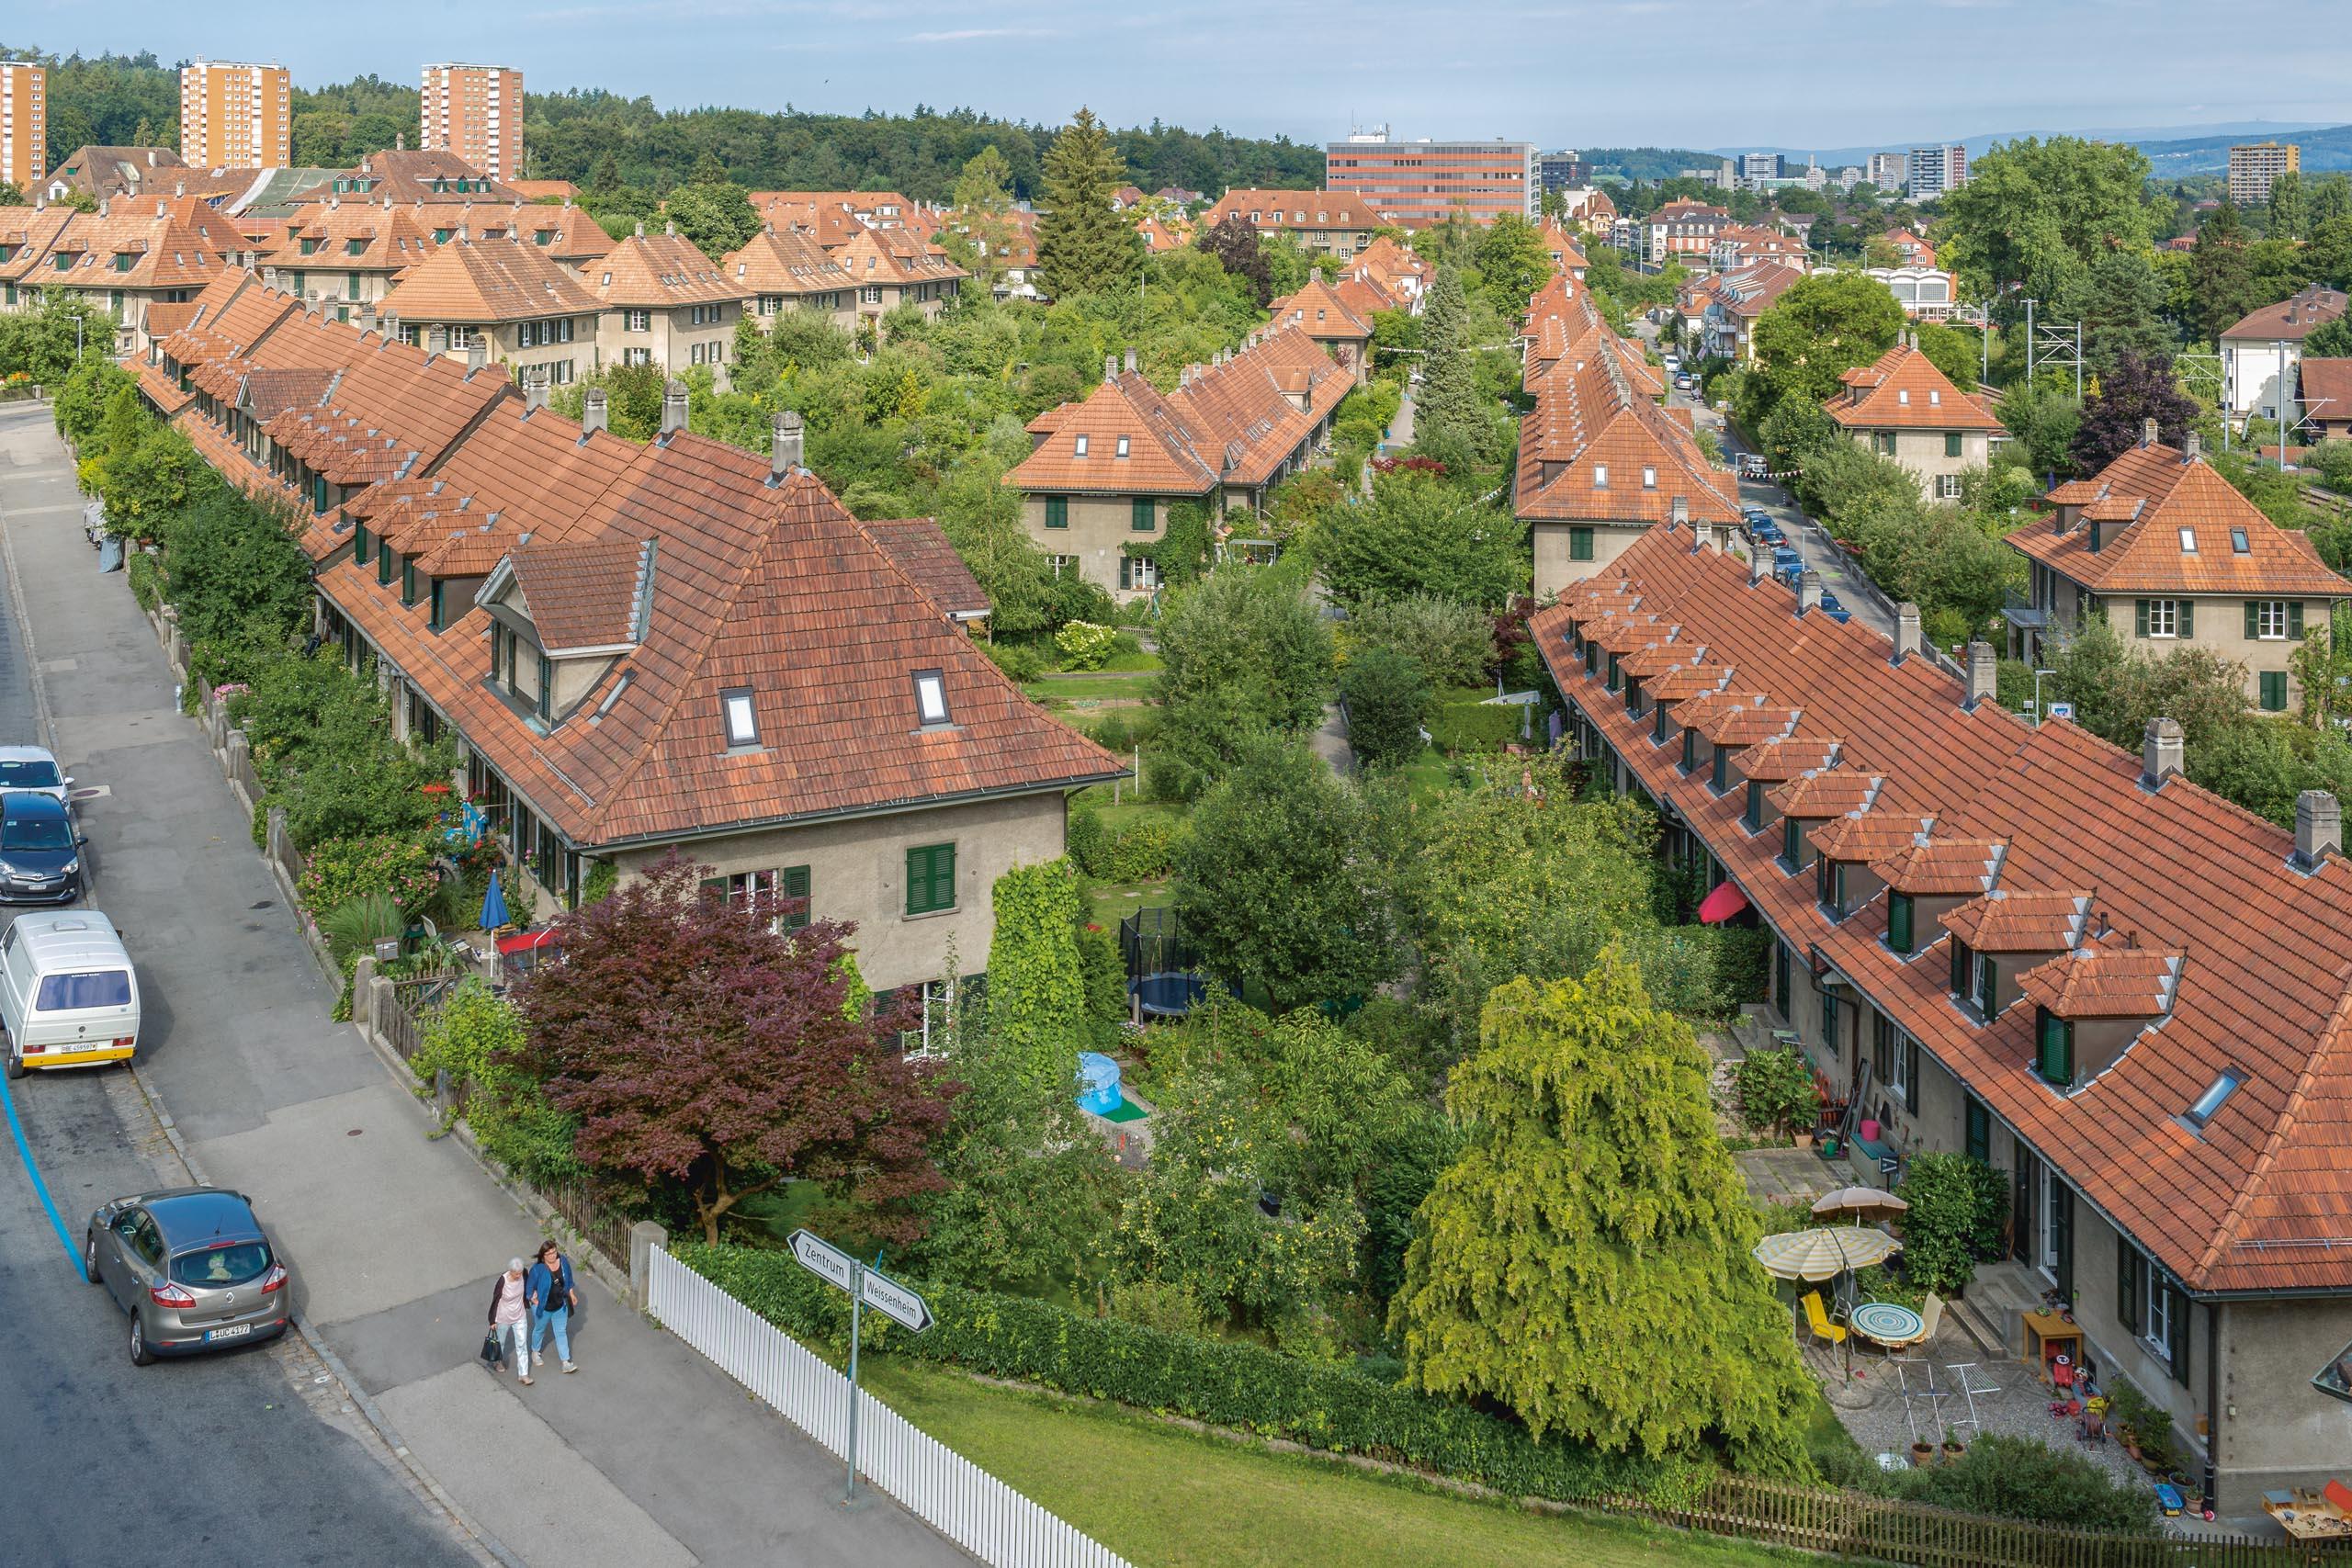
(1937, 458)
(1569, 552)
(677, 338)
(1095, 532)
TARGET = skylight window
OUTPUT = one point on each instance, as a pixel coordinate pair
(1649, 479)
(1122, 446)
(1903, 396)
(1081, 445)
(1600, 475)
(931, 697)
(1935, 397)
(742, 726)
(2237, 542)
(2211, 1102)
(2189, 541)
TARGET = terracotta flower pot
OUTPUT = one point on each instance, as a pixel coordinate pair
(1952, 1452)
(1922, 1455)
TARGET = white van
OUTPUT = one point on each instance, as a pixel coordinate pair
(69, 997)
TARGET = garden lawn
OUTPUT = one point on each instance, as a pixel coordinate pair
(1108, 903)
(1093, 686)
(1164, 1497)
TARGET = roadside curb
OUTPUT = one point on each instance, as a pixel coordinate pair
(492, 1548)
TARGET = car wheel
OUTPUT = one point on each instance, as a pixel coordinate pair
(141, 1356)
(16, 1066)
(90, 1260)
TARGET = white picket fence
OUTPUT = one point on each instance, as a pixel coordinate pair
(951, 1493)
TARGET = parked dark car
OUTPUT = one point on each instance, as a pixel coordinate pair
(40, 853)
(191, 1267)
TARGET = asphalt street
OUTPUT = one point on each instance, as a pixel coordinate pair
(251, 1455)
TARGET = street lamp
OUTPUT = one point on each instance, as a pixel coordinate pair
(2037, 694)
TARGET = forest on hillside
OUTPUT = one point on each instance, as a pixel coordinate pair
(133, 100)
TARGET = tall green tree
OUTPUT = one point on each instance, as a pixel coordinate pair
(2290, 207)
(1418, 534)
(1585, 1261)
(1241, 654)
(2331, 197)
(1820, 329)
(2034, 215)
(2221, 284)
(1450, 415)
(717, 216)
(1082, 244)
(983, 201)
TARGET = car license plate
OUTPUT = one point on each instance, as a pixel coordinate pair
(237, 1332)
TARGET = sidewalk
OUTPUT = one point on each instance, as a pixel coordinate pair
(649, 1456)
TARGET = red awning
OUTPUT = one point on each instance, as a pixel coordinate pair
(526, 942)
(1721, 904)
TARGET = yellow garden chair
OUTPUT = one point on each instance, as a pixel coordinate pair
(1819, 1316)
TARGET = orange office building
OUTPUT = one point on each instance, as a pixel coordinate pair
(24, 130)
(476, 112)
(1417, 183)
(235, 117)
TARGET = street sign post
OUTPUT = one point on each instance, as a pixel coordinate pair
(865, 1287)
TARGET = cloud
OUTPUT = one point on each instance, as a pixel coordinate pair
(966, 35)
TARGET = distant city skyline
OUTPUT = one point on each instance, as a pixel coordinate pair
(1696, 74)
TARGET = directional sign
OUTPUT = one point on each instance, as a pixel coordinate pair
(822, 1258)
(2060, 710)
(897, 1303)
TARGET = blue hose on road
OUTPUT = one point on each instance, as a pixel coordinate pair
(41, 1187)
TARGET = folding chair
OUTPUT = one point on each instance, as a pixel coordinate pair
(1967, 1374)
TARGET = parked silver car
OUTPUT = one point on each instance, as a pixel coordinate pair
(31, 768)
(191, 1267)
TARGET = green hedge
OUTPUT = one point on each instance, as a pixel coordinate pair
(1476, 727)
(1225, 1384)
(1139, 852)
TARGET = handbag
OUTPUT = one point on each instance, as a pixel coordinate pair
(493, 1353)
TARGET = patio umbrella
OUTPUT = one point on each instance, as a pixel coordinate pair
(494, 905)
(1824, 1252)
(1861, 1202)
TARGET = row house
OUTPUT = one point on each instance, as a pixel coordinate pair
(891, 268)
(1599, 462)
(500, 297)
(1567, 254)
(1103, 470)
(347, 252)
(100, 172)
(833, 215)
(1324, 312)
(2021, 943)
(2170, 555)
(404, 173)
(665, 303)
(642, 648)
(132, 255)
(1903, 408)
(1740, 245)
(1327, 223)
(1733, 302)
(26, 235)
(783, 269)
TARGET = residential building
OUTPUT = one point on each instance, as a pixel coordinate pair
(1561, 171)
(1103, 470)
(894, 266)
(1180, 196)
(1682, 228)
(1398, 272)
(235, 115)
(1926, 293)
(26, 234)
(665, 303)
(1903, 408)
(2256, 166)
(1567, 254)
(832, 216)
(1736, 301)
(1738, 245)
(1599, 462)
(1323, 312)
(430, 175)
(1158, 237)
(1415, 184)
(1329, 222)
(784, 270)
(24, 124)
(2170, 555)
(475, 112)
(2259, 354)
(2325, 397)
(1757, 167)
(1590, 209)
(135, 253)
(349, 253)
(1126, 197)
(640, 649)
(1887, 171)
(98, 171)
(2021, 943)
(1931, 170)
(1908, 248)
(496, 298)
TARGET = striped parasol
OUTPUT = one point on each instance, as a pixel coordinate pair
(1861, 1203)
(1825, 1252)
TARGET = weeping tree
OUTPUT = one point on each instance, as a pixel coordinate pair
(1585, 1260)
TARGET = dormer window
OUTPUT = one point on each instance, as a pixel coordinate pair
(1901, 913)
(2211, 1099)
(931, 697)
(1975, 979)
(742, 724)
(2053, 1055)
(1081, 445)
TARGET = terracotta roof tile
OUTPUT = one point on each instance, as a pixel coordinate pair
(486, 280)
(785, 262)
(1902, 389)
(1821, 794)
(2291, 319)
(1942, 867)
(2005, 921)
(2096, 981)
(922, 552)
(1864, 837)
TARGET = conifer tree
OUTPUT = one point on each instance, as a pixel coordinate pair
(1447, 410)
(1082, 244)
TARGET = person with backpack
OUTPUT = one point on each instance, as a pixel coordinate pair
(510, 1317)
(552, 1298)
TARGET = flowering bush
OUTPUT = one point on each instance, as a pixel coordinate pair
(1084, 645)
(342, 869)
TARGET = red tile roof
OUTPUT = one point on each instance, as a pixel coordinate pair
(920, 548)
(1902, 389)
(1295, 210)
(2003, 922)
(2292, 319)
(785, 262)
(487, 280)
(2097, 981)
(2260, 1196)
(658, 272)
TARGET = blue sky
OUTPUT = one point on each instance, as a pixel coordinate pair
(1693, 73)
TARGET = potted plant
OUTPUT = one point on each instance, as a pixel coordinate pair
(1922, 1455)
(1954, 1447)
(2154, 1429)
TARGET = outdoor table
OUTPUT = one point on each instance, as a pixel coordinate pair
(1886, 1322)
(2045, 1332)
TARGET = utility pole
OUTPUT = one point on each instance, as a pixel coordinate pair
(2029, 343)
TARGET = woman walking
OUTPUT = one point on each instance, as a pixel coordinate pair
(509, 1317)
(552, 1297)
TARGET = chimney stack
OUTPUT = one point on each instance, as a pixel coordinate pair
(1808, 590)
(477, 353)
(784, 448)
(2161, 755)
(1984, 674)
(593, 416)
(1678, 510)
(269, 279)
(2147, 433)
(1131, 359)
(2319, 828)
(436, 340)
(673, 408)
(1906, 631)
(1110, 367)
(391, 326)
(2192, 447)
(535, 391)
(367, 317)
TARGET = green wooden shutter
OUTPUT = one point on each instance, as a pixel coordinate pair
(1959, 967)
(2184, 620)
(2253, 619)
(1986, 987)
(1127, 570)
(1911, 1075)
(1690, 749)
(2062, 1237)
(1141, 518)
(1579, 544)
(1780, 980)
(1882, 1048)
(547, 687)
(2295, 619)
(930, 878)
(2139, 616)
(1898, 922)
(1754, 803)
(2127, 1284)
(1951, 444)
(1979, 1134)
(1057, 511)
(1719, 776)
(1792, 840)
(2274, 691)
(795, 896)
(433, 616)
(2177, 1337)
